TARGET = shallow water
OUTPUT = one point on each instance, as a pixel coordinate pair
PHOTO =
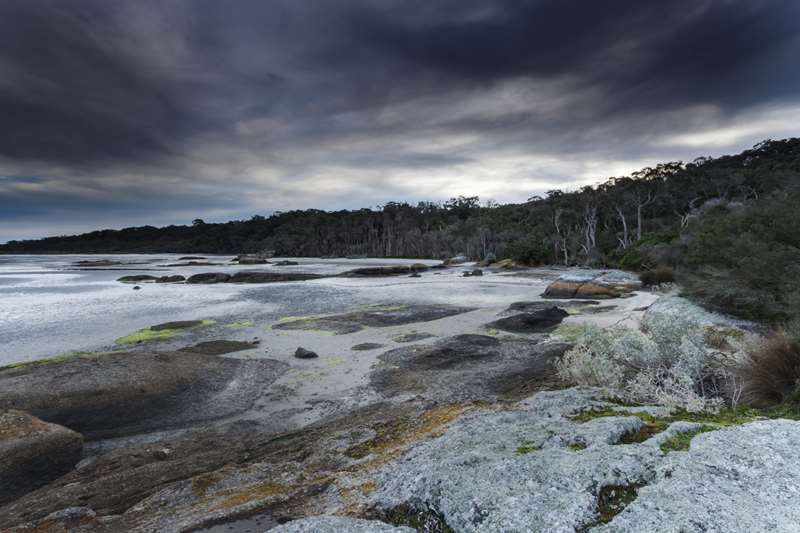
(49, 306)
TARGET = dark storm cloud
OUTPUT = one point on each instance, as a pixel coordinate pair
(307, 103)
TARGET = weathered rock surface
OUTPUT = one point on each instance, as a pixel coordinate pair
(171, 279)
(389, 270)
(375, 316)
(593, 285)
(365, 346)
(466, 367)
(191, 263)
(251, 259)
(209, 277)
(413, 336)
(177, 324)
(271, 277)
(220, 347)
(539, 305)
(124, 393)
(33, 453)
(97, 263)
(138, 278)
(536, 322)
(207, 476)
(535, 469)
(338, 524)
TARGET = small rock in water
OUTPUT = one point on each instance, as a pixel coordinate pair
(136, 288)
(302, 353)
(415, 275)
(470, 273)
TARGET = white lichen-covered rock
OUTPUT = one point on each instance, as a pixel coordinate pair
(744, 478)
(338, 524)
(535, 469)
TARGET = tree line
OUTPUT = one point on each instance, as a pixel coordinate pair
(600, 225)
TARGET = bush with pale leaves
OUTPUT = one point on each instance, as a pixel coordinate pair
(667, 362)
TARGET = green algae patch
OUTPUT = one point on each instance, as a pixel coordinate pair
(162, 332)
(241, 324)
(526, 447)
(681, 441)
(723, 418)
(645, 432)
(58, 359)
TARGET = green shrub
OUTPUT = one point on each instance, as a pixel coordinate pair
(746, 260)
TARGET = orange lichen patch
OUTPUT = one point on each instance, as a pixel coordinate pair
(201, 483)
(368, 487)
(592, 290)
(16, 424)
(394, 435)
(260, 491)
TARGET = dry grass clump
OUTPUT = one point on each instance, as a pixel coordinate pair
(657, 276)
(770, 373)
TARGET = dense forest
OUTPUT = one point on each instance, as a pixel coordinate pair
(728, 220)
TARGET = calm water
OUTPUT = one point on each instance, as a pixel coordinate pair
(48, 306)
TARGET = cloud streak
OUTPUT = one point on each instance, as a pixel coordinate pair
(167, 110)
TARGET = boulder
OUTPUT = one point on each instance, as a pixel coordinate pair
(190, 264)
(33, 453)
(220, 347)
(465, 367)
(374, 316)
(171, 279)
(364, 346)
(252, 259)
(271, 277)
(537, 468)
(593, 285)
(97, 263)
(138, 278)
(177, 324)
(302, 353)
(537, 322)
(209, 277)
(474, 272)
(388, 270)
(125, 393)
(413, 336)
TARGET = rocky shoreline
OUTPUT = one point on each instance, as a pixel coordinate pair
(462, 425)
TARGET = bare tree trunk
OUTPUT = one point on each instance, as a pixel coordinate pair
(625, 239)
(590, 229)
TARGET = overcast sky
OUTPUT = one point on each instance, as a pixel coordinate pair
(115, 114)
